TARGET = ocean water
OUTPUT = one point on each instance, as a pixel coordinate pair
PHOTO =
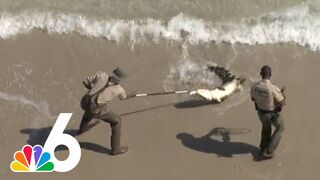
(200, 29)
(245, 22)
(48, 47)
(215, 10)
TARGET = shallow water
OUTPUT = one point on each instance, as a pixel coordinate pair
(47, 49)
(214, 10)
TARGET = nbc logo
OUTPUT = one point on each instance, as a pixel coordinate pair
(42, 159)
(32, 160)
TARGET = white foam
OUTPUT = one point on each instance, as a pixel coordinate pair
(41, 107)
(189, 74)
(299, 25)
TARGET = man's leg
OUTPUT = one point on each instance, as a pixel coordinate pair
(86, 118)
(115, 122)
(265, 132)
(277, 122)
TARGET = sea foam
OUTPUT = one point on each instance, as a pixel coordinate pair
(41, 107)
(299, 25)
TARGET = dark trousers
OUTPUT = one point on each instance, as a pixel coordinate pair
(103, 113)
(270, 141)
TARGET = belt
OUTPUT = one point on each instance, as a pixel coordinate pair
(265, 111)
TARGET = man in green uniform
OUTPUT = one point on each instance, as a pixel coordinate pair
(102, 88)
(269, 100)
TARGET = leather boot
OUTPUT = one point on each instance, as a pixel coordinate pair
(120, 150)
(115, 139)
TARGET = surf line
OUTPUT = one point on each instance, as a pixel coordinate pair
(41, 107)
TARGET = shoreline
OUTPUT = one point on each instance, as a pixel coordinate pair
(50, 68)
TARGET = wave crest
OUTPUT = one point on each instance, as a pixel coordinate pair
(297, 25)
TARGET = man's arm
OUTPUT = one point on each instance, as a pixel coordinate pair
(89, 81)
(122, 95)
(252, 92)
(98, 81)
(252, 96)
(279, 97)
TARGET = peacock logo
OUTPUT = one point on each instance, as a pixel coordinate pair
(42, 159)
(32, 159)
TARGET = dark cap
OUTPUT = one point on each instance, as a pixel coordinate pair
(119, 73)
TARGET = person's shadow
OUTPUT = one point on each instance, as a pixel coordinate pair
(224, 148)
(38, 136)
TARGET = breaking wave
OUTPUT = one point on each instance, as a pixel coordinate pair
(299, 25)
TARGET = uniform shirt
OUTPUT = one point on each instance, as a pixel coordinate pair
(266, 95)
(111, 92)
(99, 81)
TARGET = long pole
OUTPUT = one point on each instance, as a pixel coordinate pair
(162, 93)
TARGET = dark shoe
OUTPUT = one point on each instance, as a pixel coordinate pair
(260, 158)
(120, 150)
(261, 151)
(268, 155)
(263, 155)
(79, 132)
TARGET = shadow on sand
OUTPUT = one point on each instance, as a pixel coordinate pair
(193, 103)
(224, 148)
(39, 136)
(178, 105)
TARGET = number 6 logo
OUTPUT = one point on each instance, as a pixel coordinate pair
(56, 138)
(38, 159)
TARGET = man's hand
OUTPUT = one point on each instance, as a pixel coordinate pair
(86, 84)
(131, 94)
(283, 102)
(283, 89)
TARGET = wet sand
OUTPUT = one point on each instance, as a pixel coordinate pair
(41, 74)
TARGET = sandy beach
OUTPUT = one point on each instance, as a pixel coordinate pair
(41, 75)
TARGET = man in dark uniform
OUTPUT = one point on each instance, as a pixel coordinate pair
(269, 100)
(102, 88)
